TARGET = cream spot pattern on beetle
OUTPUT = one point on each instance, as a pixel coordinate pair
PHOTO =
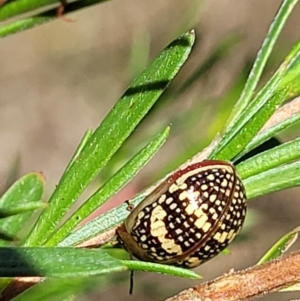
(201, 221)
(195, 217)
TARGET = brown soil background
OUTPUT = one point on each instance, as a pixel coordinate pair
(59, 79)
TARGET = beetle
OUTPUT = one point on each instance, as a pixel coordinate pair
(189, 218)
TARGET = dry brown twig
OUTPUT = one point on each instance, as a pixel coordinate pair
(238, 286)
(248, 284)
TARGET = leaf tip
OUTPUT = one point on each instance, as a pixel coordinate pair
(40, 175)
(192, 32)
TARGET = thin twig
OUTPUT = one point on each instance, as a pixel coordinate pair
(247, 284)
(283, 113)
(98, 240)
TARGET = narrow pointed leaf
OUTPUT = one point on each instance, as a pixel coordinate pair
(87, 135)
(56, 262)
(17, 8)
(33, 8)
(248, 126)
(281, 246)
(273, 180)
(263, 55)
(281, 87)
(285, 153)
(281, 125)
(113, 131)
(121, 178)
(21, 208)
(100, 224)
(25, 192)
(160, 268)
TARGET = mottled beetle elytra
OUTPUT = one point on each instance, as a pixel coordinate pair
(189, 218)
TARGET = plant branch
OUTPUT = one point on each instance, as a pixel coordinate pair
(283, 114)
(248, 284)
(243, 285)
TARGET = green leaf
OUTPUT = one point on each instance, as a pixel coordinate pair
(22, 25)
(73, 262)
(33, 8)
(101, 223)
(24, 193)
(17, 8)
(249, 124)
(53, 289)
(160, 268)
(87, 135)
(292, 119)
(122, 177)
(281, 87)
(281, 246)
(21, 208)
(6, 237)
(261, 59)
(284, 153)
(56, 262)
(110, 135)
(98, 225)
(273, 180)
(292, 72)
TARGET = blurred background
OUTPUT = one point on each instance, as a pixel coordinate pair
(62, 78)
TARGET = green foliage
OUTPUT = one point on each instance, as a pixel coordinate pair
(18, 202)
(281, 246)
(52, 236)
(108, 138)
(38, 11)
(39, 261)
